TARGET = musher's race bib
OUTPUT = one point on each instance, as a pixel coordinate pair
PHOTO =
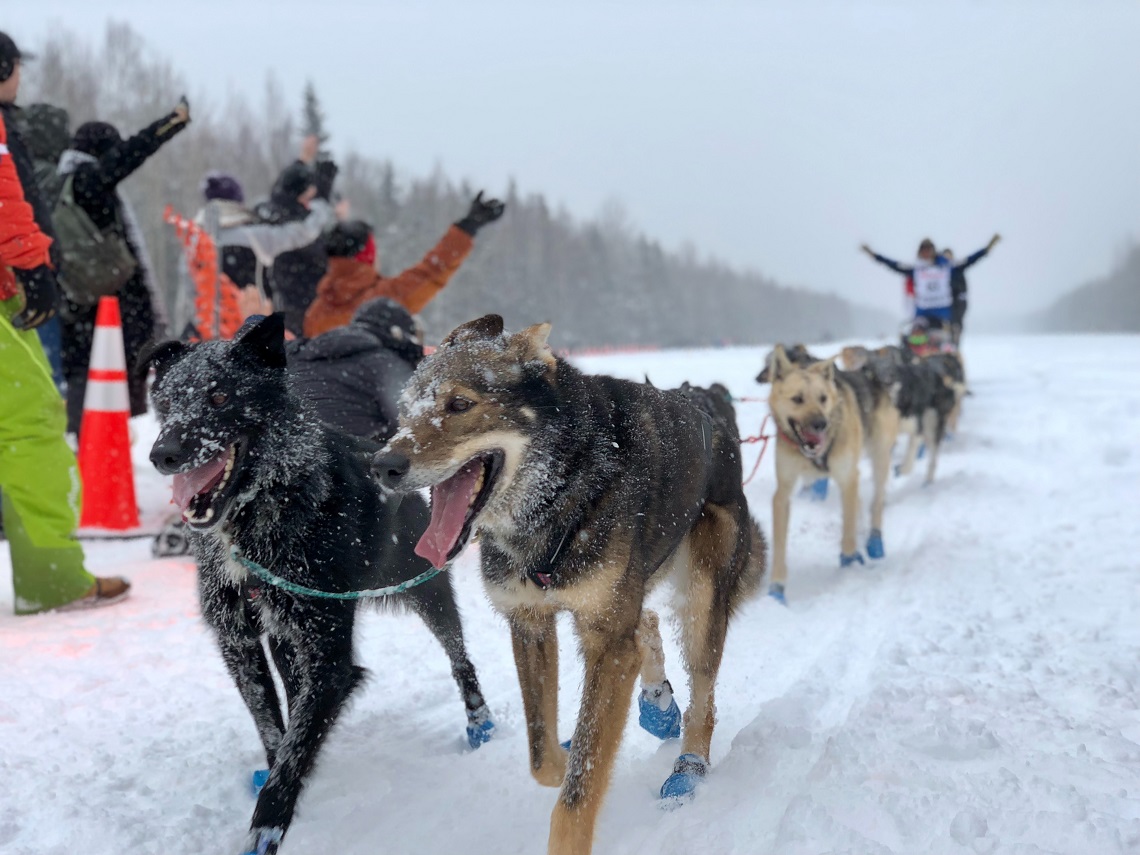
(932, 287)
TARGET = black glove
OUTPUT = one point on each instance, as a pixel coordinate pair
(325, 171)
(480, 214)
(40, 296)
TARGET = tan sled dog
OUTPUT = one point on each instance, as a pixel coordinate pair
(825, 418)
(586, 492)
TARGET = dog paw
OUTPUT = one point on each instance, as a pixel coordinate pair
(263, 841)
(257, 781)
(776, 592)
(688, 771)
(658, 712)
(849, 560)
(875, 545)
(480, 727)
(477, 734)
(818, 490)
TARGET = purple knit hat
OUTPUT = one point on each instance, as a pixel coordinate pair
(219, 185)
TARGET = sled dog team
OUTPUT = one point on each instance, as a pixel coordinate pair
(586, 493)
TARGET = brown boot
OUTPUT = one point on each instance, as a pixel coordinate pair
(106, 591)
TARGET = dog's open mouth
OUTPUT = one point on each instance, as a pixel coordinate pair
(812, 443)
(201, 492)
(454, 505)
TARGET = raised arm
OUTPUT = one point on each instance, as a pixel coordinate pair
(124, 158)
(269, 240)
(905, 269)
(979, 255)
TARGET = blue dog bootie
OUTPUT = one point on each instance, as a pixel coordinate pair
(658, 711)
(480, 728)
(776, 592)
(875, 545)
(853, 558)
(257, 781)
(688, 771)
(266, 841)
(818, 491)
(921, 452)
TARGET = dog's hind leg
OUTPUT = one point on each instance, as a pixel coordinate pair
(534, 638)
(284, 657)
(434, 602)
(326, 678)
(909, 426)
(933, 429)
(716, 568)
(658, 712)
(612, 663)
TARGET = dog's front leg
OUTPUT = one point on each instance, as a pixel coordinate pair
(244, 657)
(326, 676)
(534, 637)
(781, 511)
(612, 663)
(848, 480)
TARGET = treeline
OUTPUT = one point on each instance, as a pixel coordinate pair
(1109, 304)
(599, 281)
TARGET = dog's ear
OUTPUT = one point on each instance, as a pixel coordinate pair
(531, 346)
(778, 364)
(481, 329)
(263, 339)
(160, 354)
(825, 368)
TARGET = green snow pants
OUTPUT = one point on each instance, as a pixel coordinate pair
(39, 478)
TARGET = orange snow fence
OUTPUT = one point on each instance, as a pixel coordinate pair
(217, 313)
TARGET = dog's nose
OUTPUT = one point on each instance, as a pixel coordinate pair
(389, 468)
(165, 455)
(818, 425)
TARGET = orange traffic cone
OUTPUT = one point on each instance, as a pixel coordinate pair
(104, 443)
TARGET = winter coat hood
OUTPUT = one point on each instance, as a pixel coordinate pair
(46, 133)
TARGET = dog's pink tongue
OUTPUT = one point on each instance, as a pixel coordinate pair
(187, 485)
(449, 502)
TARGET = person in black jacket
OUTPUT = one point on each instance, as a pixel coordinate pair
(295, 274)
(958, 287)
(101, 159)
(353, 375)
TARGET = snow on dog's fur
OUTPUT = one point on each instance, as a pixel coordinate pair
(256, 472)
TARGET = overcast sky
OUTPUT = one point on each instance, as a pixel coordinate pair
(776, 136)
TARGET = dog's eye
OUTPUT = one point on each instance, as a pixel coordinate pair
(219, 398)
(823, 399)
(797, 399)
(459, 405)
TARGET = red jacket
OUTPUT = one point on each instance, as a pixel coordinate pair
(22, 244)
(349, 283)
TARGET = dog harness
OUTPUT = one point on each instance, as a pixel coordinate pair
(546, 577)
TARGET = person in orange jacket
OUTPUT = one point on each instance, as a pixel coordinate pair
(352, 278)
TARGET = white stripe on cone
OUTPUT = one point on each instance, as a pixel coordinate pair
(106, 396)
(107, 352)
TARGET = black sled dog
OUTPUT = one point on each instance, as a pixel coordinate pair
(586, 492)
(259, 479)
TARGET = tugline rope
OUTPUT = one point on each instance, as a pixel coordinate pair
(270, 578)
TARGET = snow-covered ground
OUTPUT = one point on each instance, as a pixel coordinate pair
(976, 691)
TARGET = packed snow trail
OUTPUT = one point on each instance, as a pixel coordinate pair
(976, 691)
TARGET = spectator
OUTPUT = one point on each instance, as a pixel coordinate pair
(958, 287)
(38, 474)
(98, 160)
(352, 277)
(295, 274)
(46, 133)
(353, 374)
